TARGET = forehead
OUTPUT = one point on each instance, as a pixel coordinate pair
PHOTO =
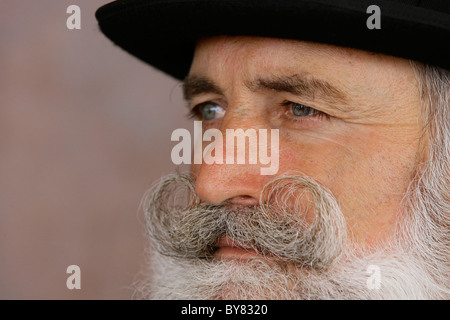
(244, 58)
(265, 52)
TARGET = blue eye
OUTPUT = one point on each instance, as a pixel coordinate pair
(211, 111)
(300, 110)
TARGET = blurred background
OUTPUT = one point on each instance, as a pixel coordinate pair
(84, 132)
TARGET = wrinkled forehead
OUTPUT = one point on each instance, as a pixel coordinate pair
(241, 55)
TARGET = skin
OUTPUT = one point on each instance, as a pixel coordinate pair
(366, 150)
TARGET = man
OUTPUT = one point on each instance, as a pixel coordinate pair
(357, 95)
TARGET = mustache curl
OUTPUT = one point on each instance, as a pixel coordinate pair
(180, 225)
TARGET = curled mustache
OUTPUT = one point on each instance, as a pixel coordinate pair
(180, 225)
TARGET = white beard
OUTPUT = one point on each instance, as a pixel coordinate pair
(413, 264)
(400, 276)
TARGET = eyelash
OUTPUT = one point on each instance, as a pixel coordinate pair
(318, 115)
(195, 113)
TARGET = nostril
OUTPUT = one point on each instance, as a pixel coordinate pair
(244, 201)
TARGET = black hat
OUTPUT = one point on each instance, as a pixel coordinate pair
(163, 33)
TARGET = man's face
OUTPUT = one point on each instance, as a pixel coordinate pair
(351, 141)
(346, 118)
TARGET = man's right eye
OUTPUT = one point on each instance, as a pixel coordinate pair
(208, 111)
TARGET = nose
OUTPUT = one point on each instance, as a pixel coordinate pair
(217, 183)
(238, 183)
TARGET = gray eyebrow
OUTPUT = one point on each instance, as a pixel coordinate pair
(299, 84)
(195, 85)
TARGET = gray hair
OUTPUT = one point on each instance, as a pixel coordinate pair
(428, 198)
(434, 88)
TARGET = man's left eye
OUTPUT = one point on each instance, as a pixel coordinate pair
(300, 110)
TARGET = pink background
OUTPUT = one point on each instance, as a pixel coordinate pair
(84, 132)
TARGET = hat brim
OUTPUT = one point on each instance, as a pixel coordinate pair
(164, 33)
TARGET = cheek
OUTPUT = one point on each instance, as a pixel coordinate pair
(367, 174)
